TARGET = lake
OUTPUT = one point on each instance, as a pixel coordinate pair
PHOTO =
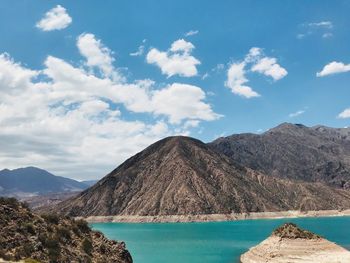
(219, 242)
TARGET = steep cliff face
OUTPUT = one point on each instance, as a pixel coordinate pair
(49, 238)
(183, 176)
(293, 151)
(289, 243)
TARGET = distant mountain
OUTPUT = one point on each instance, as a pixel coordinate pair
(183, 176)
(89, 182)
(293, 151)
(34, 181)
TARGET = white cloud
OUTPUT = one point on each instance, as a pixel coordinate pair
(258, 62)
(236, 80)
(218, 68)
(139, 51)
(55, 19)
(301, 36)
(97, 55)
(181, 45)
(296, 114)
(265, 65)
(182, 101)
(344, 114)
(71, 115)
(13, 77)
(322, 28)
(333, 68)
(327, 35)
(323, 24)
(206, 75)
(191, 33)
(176, 61)
(270, 67)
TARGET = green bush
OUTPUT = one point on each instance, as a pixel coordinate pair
(87, 246)
(11, 201)
(82, 225)
(42, 238)
(51, 218)
(103, 249)
(29, 227)
(28, 249)
(53, 246)
(63, 233)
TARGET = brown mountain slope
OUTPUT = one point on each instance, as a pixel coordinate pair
(49, 238)
(293, 151)
(182, 176)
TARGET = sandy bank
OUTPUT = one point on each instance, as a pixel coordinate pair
(216, 217)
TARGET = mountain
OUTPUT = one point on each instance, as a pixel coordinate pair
(89, 182)
(289, 243)
(293, 151)
(34, 181)
(49, 238)
(184, 176)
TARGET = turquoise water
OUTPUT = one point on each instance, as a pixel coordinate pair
(219, 242)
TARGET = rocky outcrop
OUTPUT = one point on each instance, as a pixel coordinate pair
(183, 176)
(293, 151)
(49, 238)
(291, 244)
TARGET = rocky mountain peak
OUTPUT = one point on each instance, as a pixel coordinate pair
(287, 127)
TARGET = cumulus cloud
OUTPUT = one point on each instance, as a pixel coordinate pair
(72, 115)
(236, 80)
(344, 114)
(55, 19)
(258, 62)
(182, 101)
(269, 67)
(333, 68)
(97, 55)
(176, 61)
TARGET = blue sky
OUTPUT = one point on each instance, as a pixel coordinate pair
(295, 40)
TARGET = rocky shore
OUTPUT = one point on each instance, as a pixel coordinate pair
(216, 217)
(289, 243)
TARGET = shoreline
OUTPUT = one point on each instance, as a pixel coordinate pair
(214, 217)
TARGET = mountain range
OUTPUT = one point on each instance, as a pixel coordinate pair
(32, 181)
(293, 151)
(290, 167)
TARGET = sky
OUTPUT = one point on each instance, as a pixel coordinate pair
(84, 85)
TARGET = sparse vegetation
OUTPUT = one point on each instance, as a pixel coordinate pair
(51, 218)
(50, 238)
(82, 225)
(87, 246)
(292, 231)
(63, 233)
(29, 227)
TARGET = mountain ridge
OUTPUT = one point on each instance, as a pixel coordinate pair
(293, 151)
(29, 181)
(182, 175)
